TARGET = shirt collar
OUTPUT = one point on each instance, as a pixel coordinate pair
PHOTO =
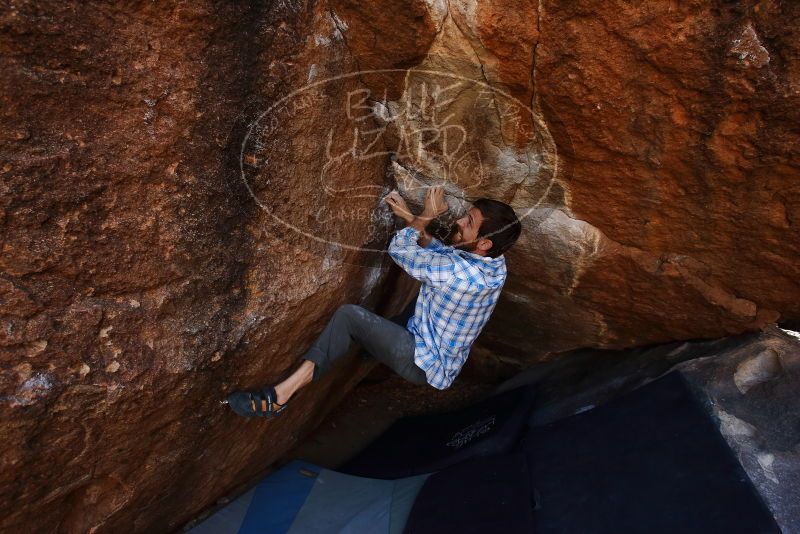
(468, 255)
(477, 257)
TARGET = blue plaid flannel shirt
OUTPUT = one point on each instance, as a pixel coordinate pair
(458, 294)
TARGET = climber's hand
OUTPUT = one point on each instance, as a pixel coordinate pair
(398, 205)
(435, 204)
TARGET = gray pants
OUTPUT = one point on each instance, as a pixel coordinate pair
(385, 340)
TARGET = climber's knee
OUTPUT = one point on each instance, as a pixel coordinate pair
(354, 318)
(349, 309)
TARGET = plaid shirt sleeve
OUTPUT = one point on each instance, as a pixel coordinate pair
(432, 265)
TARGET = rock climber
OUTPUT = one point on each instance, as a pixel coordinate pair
(461, 279)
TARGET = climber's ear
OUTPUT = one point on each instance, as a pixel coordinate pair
(484, 244)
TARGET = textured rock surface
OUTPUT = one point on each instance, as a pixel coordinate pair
(140, 281)
(678, 148)
(652, 149)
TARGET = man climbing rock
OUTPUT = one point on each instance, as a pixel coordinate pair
(461, 282)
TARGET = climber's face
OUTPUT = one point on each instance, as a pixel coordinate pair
(464, 233)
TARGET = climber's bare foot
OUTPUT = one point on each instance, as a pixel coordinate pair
(298, 379)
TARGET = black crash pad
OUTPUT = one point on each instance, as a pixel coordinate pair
(423, 444)
(649, 461)
(480, 495)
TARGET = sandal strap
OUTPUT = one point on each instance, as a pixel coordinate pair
(262, 402)
(257, 402)
(272, 397)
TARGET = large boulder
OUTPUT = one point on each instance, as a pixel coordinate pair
(190, 190)
(678, 160)
(650, 151)
(141, 280)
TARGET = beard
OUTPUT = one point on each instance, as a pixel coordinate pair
(449, 234)
(453, 237)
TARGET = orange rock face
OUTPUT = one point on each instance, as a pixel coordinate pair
(190, 190)
(141, 279)
(676, 133)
